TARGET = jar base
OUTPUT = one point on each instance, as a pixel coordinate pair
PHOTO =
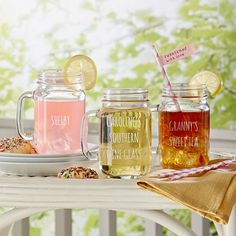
(133, 172)
(123, 177)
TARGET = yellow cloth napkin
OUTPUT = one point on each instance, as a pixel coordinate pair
(212, 194)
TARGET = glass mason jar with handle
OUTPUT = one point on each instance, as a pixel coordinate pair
(184, 126)
(125, 136)
(58, 112)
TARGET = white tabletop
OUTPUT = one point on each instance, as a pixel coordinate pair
(23, 191)
(29, 195)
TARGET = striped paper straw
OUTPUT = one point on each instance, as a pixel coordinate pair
(179, 174)
(165, 76)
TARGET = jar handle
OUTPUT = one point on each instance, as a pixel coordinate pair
(19, 126)
(84, 134)
(154, 108)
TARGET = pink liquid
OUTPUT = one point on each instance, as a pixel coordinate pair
(57, 126)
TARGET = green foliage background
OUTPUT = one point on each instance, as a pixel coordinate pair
(128, 58)
(129, 61)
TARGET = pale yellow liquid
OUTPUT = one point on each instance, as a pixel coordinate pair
(125, 142)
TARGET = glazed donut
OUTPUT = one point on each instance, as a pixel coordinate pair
(16, 145)
(77, 172)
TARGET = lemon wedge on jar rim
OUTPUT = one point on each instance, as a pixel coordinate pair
(84, 65)
(212, 81)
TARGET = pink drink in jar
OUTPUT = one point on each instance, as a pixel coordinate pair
(57, 126)
(58, 112)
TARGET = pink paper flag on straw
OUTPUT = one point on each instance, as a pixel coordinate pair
(177, 54)
(164, 75)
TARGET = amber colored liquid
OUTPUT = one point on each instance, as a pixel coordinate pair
(125, 142)
(183, 139)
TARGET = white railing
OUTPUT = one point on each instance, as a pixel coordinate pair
(107, 226)
(107, 218)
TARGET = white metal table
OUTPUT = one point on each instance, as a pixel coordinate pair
(29, 195)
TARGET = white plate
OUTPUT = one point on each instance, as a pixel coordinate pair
(27, 158)
(40, 169)
(43, 158)
(18, 155)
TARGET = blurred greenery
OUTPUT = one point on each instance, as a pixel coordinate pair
(42, 224)
(128, 224)
(129, 62)
(209, 24)
(183, 216)
(92, 222)
(35, 231)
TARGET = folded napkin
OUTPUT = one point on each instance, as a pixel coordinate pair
(212, 195)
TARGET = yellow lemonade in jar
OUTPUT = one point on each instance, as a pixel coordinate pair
(125, 141)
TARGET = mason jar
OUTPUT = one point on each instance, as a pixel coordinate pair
(58, 111)
(125, 135)
(184, 126)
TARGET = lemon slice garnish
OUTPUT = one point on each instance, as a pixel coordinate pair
(84, 65)
(212, 81)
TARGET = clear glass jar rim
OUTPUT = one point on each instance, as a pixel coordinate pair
(184, 86)
(125, 91)
(56, 76)
(185, 90)
(125, 94)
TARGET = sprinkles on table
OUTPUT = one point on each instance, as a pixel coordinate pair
(77, 172)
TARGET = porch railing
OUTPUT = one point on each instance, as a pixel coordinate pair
(107, 225)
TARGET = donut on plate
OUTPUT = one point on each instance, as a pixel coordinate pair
(16, 145)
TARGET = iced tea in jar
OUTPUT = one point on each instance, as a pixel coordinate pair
(184, 126)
